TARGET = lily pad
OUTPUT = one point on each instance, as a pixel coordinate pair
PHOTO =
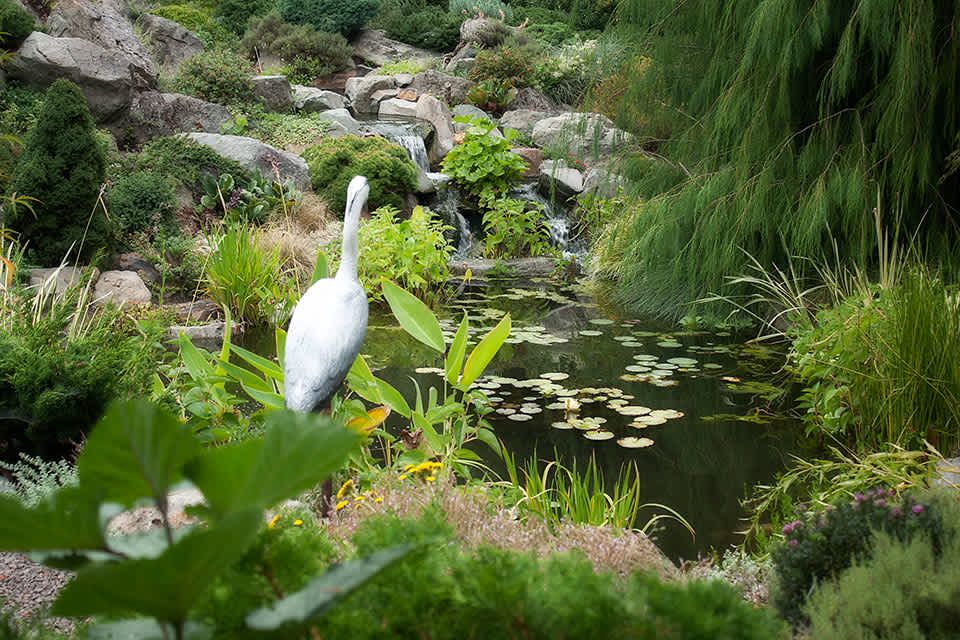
(561, 425)
(669, 344)
(683, 362)
(520, 417)
(650, 421)
(631, 442)
(590, 333)
(555, 376)
(428, 370)
(667, 414)
(645, 357)
(599, 434)
(600, 321)
(633, 410)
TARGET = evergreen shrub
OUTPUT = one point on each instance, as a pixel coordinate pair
(345, 17)
(141, 201)
(199, 22)
(822, 545)
(503, 64)
(216, 75)
(15, 24)
(334, 162)
(235, 14)
(489, 8)
(428, 27)
(591, 14)
(307, 52)
(63, 164)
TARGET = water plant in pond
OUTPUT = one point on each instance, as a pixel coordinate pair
(514, 229)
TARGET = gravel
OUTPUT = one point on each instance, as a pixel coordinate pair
(28, 587)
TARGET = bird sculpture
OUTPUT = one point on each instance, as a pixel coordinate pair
(329, 322)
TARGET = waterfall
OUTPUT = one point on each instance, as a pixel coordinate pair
(557, 219)
(416, 150)
(405, 134)
(447, 205)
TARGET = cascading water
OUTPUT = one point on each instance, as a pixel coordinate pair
(407, 136)
(447, 205)
(556, 217)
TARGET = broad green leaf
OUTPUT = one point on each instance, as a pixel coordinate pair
(197, 365)
(321, 269)
(458, 349)
(137, 450)
(264, 366)
(391, 397)
(321, 593)
(268, 399)
(434, 440)
(70, 519)
(144, 629)
(484, 352)
(280, 340)
(225, 347)
(361, 380)
(414, 316)
(245, 377)
(165, 587)
(487, 436)
(297, 452)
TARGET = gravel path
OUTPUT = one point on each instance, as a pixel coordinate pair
(27, 587)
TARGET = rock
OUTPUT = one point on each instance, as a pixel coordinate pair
(134, 262)
(581, 134)
(342, 123)
(602, 183)
(309, 99)
(398, 107)
(172, 43)
(408, 94)
(253, 154)
(144, 519)
(360, 91)
(403, 79)
(467, 110)
(533, 157)
(532, 99)
(437, 114)
(274, 93)
(450, 89)
(521, 267)
(202, 310)
(121, 287)
(102, 24)
(488, 32)
(154, 114)
(948, 473)
(106, 77)
(373, 46)
(556, 176)
(335, 81)
(522, 120)
(379, 96)
(463, 61)
(59, 279)
(207, 336)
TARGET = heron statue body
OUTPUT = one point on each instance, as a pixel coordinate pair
(329, 322)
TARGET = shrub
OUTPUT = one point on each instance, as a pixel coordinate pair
(504, 64)
(235, 14)
(591, 14)
(184, 162)
(307, 52)
(430, 27)
(335, 161)
(345, 17)
(492, 96)
(566, 74)
(197, 21)
(554, 33)
(15, 24)
(514, 229)
(822, 545)
(483, 164)
(141, 202)
(216, 75)
(63, 164)
(473, 8)
(412, 252)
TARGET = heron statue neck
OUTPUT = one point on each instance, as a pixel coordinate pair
(350, 250)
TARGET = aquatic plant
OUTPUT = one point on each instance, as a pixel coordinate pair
(514, 229)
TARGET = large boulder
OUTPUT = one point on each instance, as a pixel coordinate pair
(154, 114)
(373, 46)
(398, 107)
(534, 159)
(528, 98)
(102, 24)
(253, 154)
(450, 89)
(522, 120)
(582, 134)
(556, 177)
(172, 43)
(309, 99)
(461, 110)
(437, 114)
(463, 61)
(106, 77)
(58, 280)
(274, 93)
(121, 287)
(360, 91)
(341, 123)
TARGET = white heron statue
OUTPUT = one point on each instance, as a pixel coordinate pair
(329, 322)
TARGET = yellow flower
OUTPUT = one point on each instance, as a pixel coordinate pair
(297, 523)
(342, 504)
(360, 498)
(343, 488)
(378, 499)
(431, 478)
(409, 467)
(403, 476)
(273, 522)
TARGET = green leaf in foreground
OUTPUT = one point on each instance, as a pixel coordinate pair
(484, 352)
(325, 590)
(68, 520)
(144, 629)
(414, 316)
(458, 349)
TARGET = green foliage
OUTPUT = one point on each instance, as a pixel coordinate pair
(307, 52)
(473, 8)
(174, 256)
(248, 280)
(235, 14)
(62, 165)
(555, 33)
(185, 162)
(491, 95)
(514, 229)
(137, 451)
(198, 21)
(810, 110)
(15, 24)
(334, 162)
(345, 17)
(426, 26)
(216, 75)
(410, 66)
(504, 64)
(141, 201)
(884, 369)
(34, 479)
(483, 164)
(822, 545)
(411, 252)
(903, 591)
(591, 14)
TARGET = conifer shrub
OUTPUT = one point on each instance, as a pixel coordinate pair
(15, 24)
(63, 164)
(334, 162)
(141, 201)
(216, 75)
(236, 14)
(426, 26)
(199, 22)
(306, 52)
(489, 8)
(591, 14)
(345, 17)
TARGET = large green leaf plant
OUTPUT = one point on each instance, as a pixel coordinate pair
(148, 584)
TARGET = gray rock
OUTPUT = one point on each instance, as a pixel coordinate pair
(309, 99)
(253, 154)
(274, 93)
(171, 42)
(379, 96)
(437, 114)
(528, 98)
(521, 267)
(602, 183)
(106, 77)
(360, 91)
(583, 134)
(522, 120)
(403, 79)
(463, 62)
(450, 89)
(154, 114)
(207, 336)
(948, 473)
(102, 24)
(59, 279)
(556, 176)
(202, 310)
(467, 110)
(121, 287)
(341, 123)
(398, 107)
(484, 31)
(134, 262)
(373, 46)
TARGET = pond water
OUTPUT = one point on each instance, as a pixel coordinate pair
(633, 378)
